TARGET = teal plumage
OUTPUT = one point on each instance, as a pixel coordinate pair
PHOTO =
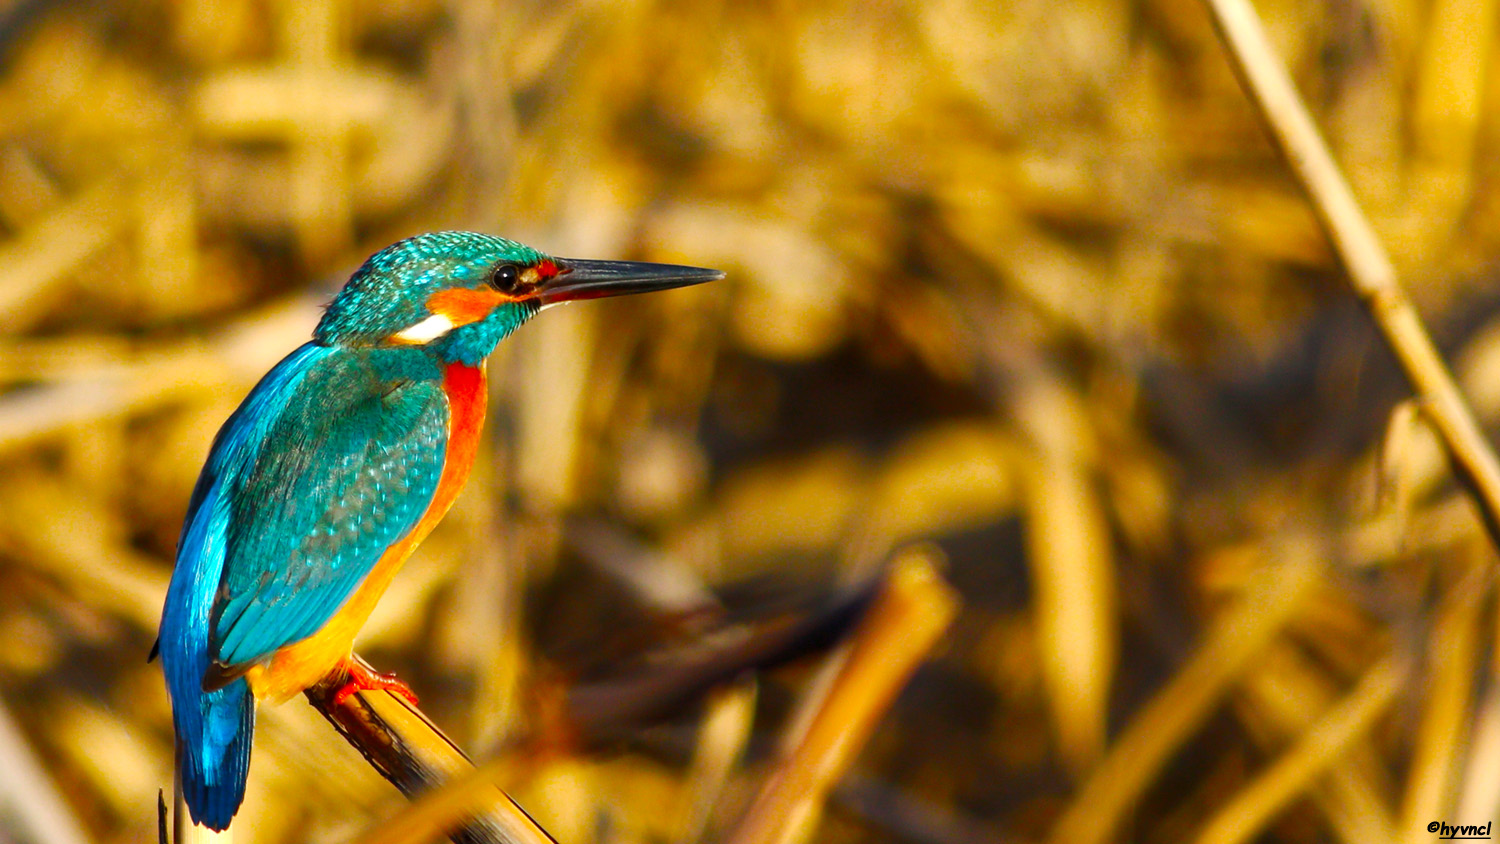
(389, 291)
(342, 455)
(357, 452)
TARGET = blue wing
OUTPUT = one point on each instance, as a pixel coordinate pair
(343, 467)
(333, 456)
(213, 728)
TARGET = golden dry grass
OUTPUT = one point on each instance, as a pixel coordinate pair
(1025, 280)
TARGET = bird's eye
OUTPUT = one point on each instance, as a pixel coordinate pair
(505, 278)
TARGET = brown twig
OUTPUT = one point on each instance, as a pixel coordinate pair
(1370, 270)
(410, 751)
(669, 678)
(911, 611)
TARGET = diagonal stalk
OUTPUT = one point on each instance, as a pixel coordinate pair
(1370, 270)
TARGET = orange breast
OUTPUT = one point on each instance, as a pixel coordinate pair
(301, 664)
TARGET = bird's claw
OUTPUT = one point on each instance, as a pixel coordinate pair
(361, 678)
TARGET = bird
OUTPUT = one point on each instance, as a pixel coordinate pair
(336, 465)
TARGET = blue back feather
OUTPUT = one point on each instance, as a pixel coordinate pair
(333, 457)
(214, 729)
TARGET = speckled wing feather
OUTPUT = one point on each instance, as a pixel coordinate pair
(347, 468)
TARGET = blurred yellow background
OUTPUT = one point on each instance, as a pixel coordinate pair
(1021, 279)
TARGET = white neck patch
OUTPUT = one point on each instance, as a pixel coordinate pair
(425, 331)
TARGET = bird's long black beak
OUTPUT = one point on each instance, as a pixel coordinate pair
(579, 278)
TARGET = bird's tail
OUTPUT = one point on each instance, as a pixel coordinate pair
(213, 728)
(213, 753)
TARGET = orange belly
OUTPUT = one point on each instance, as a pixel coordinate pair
(301, 664)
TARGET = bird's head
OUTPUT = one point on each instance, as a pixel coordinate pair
(458, 294)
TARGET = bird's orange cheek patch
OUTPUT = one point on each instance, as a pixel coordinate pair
(463, 306)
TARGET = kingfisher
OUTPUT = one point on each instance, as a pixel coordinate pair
(338, 463)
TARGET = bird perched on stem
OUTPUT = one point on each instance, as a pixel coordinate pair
(339, 462)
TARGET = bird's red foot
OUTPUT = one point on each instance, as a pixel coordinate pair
(361, 678)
